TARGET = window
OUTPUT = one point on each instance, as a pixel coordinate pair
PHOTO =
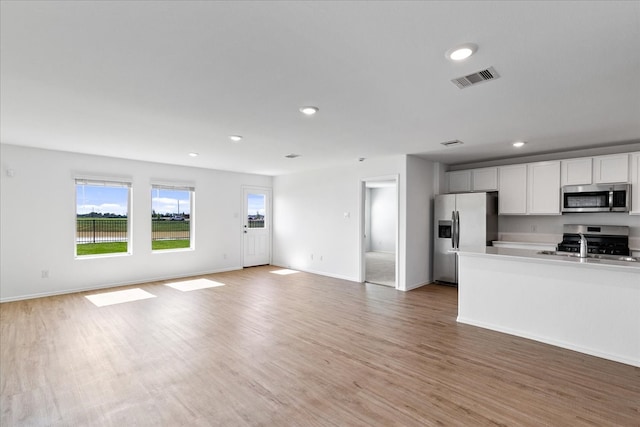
(102, 217)
(171, 217)
(255, 210)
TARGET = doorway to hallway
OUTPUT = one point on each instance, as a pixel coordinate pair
(380, 223)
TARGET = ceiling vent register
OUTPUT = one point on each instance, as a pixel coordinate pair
(475, 78)
(452, 143)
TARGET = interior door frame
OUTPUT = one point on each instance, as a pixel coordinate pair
(362, 191)
(268, 215)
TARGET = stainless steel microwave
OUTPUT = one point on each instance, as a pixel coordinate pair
(596, 198)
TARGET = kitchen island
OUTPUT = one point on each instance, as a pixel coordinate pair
(587, 305)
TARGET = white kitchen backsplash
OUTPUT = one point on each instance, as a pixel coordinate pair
(538, 224)
(548, 229)
(530, 237)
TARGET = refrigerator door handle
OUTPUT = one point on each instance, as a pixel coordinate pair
(457, 229)
(453, 229)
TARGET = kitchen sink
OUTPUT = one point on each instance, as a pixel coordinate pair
(595, 256)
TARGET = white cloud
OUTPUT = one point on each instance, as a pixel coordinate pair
(102, 208)
(168, 205)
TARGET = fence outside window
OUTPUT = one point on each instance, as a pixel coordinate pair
(162, 229)
(256, 223)
(99, 230)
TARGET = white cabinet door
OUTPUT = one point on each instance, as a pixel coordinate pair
(512, 188)
(543, 195)
(635, 183)
(577, 171)
(485, 179)
(459, 181)
(610, 169)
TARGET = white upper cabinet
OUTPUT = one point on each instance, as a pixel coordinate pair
(610, 169)
(459, 181)
(534, 188)
(529, 189)
(635, 183)
(577, 171)
(512, 188)
(485, 179)
(543, 185)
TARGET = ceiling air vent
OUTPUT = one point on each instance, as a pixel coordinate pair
(453, 143)
(475, 78)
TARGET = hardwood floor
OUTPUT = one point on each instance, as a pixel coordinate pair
(300, 350)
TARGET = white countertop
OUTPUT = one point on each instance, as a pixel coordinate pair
(525, 245)
(533, 255)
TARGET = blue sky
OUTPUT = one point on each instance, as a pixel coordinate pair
(114, 200)
(101, 199)
(170, 201)
(255, 204)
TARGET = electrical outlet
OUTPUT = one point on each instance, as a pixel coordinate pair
(45, 274)
(534, 228)
(320, 257)
(311, 257)
(224, 256)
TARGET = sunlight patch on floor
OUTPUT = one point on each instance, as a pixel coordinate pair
(193, 285)
(284, 272)
(119, 297)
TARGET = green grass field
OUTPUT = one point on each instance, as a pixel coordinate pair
(159, 245)
(120, 247)
(101, 248)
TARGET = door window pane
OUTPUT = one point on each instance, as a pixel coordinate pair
(255, 210)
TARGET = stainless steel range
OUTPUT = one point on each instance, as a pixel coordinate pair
(601, 239)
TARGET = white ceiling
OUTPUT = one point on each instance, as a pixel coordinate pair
(156, 80)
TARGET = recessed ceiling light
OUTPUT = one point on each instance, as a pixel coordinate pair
(519, 144)
(309, 110)
(461, 52)
(235, 138)
(194, 154)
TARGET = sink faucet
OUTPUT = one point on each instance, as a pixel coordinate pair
(583, 246)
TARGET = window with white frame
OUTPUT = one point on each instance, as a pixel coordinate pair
(172, 217)
(102, 217)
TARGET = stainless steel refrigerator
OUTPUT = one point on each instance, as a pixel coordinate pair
(462, 221)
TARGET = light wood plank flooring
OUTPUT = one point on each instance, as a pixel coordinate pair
(300, 350)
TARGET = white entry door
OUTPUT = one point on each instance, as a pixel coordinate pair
(257, 227)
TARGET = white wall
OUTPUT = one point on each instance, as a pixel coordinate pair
(383, 219)
(367, 220)
(37, 221)
(311, 232)
(422, 186)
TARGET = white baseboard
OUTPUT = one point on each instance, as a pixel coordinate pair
(417, 285)
(319, 273)
(546, 340)
(114, 285)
